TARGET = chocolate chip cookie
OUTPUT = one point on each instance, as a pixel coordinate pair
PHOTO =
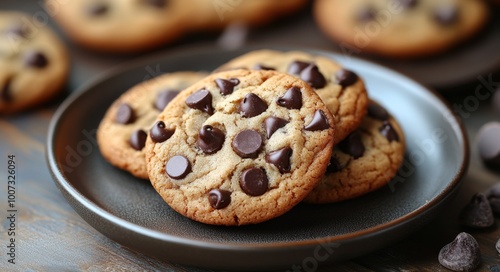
(342, 91)
(122, 133)
(34, 64)
(363, 162)
(240, 147)
(400, 28)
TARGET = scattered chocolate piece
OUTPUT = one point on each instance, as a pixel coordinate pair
(254, 182)
(366, 14)
(201, 100)
(408, 4)
(462, 254)
(35, 59)
(495, 268)
(271, 124)
(163, 98)
(297, 66)
(319, 122)
(378, 112)
(262, 67)
(488, 142)
(477, 213)
(159, 132)
(388, 131)
(97, 9)
(210, 139)
(292, 99)
(125, 114)
(345, 78)
(5, 94)
(252, 105)
(281, 159)
(446, 15)
(156, 3)
(138, 139)
(219, 199)
(247, 143)
(334, 166)
(178, 167)
(226, 86)
(313, 76)
(352, 145)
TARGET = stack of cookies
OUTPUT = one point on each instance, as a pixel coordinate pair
(264, 132)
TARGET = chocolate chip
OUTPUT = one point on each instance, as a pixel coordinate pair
(163, 98)
(156, 3)
(319, 122)
(254, 182)
(159, 132)
(210, 139)
(446, 15)
(352, 145)
(493, 195)
(178, 167)
(125, 114)
(378, 112)
(138, 139)
(262, 67)
(271, 124)
(477, 213)
(219, 199)
(5, 92)
(226, 86)
(247, 143)
(462, 254)
(334, 166)
(488, 143)
(366, 14)
(292, 99)
(252, 105)
(35, 59)
(97, 9)
(281, 159)
(313, 76)
(201, 100)
(297, 66)
(389, 132)
(345, 78)
(408, 4)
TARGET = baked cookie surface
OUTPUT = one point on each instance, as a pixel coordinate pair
(34, 64)
(400, 28)
(240, 147)
(365, 161)
(122, 132)
(341, 90)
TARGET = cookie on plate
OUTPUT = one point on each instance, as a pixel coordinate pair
(240, 147)
(341, 90)
(122, 133)
(34, 64)
(121, 26)
(400, 28)
(365, 161)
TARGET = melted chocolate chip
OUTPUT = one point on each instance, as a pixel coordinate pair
(292, 99)
(366, 14)
(313, 76)
(210, 139)
(297, 66)
(334, 166)
(462, 254)
(262, 67)
(353, 145)
(247, 143)
(345, 78)
(378, 112)
(159, 132)
(219, 199)
(226, 86)
(446, 15)
(125, 114)
(35, 59)
(5, 94)
(281, 159)
(97, 9)
(252, 105)
(271, 124)
(163, 98)
(254, 182)
(408, 4)
(178, 167)
(156, 3)
(388, 131)
(319, 122)
(201, 100)
(138, 139)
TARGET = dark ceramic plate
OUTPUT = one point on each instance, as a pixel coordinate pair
(130, 212)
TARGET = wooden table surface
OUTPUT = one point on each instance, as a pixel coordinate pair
(51, 236)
